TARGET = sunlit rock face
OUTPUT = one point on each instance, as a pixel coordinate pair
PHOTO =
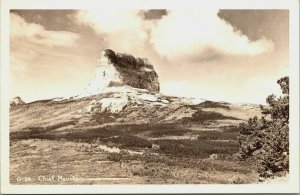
(16, 101)
(117, 70)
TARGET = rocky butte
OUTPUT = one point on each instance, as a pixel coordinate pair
(16, 101)
(123, 81)
(117, 70)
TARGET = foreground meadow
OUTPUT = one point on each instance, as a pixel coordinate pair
(132, 155)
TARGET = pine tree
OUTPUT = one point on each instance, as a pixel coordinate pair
(267, 139)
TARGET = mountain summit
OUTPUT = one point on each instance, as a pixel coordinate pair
(122, 128)
(117, 70)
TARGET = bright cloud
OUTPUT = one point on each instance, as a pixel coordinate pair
(199, 34)
(181, 34)
(122, 29)
(37, 34)
(108, 21)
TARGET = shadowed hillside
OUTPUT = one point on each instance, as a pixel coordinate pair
(137, 134)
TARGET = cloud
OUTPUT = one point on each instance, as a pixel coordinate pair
(201, 33)
(124, 30)
(180, 34)
(36, 33)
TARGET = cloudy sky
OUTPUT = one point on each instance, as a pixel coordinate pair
(227, 55)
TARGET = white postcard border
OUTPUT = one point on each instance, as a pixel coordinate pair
(292, 5)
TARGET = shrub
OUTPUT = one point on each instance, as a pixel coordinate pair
(267, 141)
(238, 181)
(116, 157)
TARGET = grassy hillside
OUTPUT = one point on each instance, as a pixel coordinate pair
(145, 143)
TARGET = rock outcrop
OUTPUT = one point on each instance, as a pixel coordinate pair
(117, 70)
(16, 101)
(118, 98)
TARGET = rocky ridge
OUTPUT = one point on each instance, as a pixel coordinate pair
(117, 70)
(118, 98)
(126, 90)
(16, 101)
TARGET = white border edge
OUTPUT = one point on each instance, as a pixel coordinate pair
(293, 185)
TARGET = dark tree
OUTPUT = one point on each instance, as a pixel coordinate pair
(267, 139)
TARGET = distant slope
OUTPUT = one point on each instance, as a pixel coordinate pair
(132, 107)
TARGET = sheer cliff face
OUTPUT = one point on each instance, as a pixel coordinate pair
(116, 70)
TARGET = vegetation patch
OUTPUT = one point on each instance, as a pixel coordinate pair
(201, 116)
(211, 104)
(116, 157)
(131, 141)
(217, 135)
(196, 148)
(171, 132)
(265, 140)
(39, 132)
(105, 117)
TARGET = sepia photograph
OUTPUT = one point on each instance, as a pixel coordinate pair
(110, 96)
